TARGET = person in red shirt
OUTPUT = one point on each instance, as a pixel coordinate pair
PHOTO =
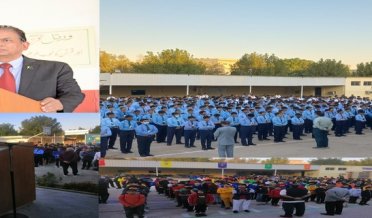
(275, 196)
(133, 202)
(200, 200)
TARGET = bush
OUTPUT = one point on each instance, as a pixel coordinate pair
(49, 180)
(84, 187)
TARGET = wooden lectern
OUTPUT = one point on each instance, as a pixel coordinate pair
(24, 175)
(13, 103)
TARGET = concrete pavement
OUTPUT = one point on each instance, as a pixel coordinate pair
(350, 146)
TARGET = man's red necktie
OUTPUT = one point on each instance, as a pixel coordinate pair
(7, 80)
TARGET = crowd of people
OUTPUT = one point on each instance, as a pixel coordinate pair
(67, 156)
(237, 192)
(192, 118)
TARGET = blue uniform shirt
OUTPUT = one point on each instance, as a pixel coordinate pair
(110, 122)
(146, 130)
(127, 125)
(203, 125)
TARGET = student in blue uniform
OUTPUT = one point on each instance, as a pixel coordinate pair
(175, 128)
(340, 123)
(105, 134)
(145, 134)
(160, 121)
(360, 122)
(279, 123)
(234, 122)
(113, 124)
(308, 117)
(206, 133)
(297, 126)
(190, 128)
(262, 126)
(127, 131)
(247, 128)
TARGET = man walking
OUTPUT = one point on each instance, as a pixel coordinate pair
(321, 126)
(293, 198)
(225, 137)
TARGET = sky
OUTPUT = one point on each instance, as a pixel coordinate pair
(309, 29)
(68, 120)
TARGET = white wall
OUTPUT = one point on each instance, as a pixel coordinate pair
(210, 80)
(44, 15)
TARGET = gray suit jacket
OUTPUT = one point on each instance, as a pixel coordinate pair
(41, 79)
(225, 135)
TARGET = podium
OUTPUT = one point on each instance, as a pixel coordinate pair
(13, 103)
(24, 175)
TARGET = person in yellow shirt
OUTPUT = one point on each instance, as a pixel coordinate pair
(226, 194)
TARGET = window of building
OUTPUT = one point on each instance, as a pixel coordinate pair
(355, 83)
(341, 168)
(138, 92)
(367, 83)
(329, 168)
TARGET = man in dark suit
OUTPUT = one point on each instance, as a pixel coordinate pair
(49, 82)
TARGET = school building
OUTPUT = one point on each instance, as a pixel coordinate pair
(176, 168)
(124, 84)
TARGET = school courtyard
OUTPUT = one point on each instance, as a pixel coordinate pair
(161, 206)
(349, 146)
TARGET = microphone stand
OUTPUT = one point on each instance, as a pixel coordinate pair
(14, 214)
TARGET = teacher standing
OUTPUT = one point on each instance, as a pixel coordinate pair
(225, 138)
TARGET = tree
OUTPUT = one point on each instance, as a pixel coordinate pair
(363, 69)
(109, 63)
(328, 161)
(328, 67)
(276, 160)
(95, 130)
(170, 61)
(212, 66)
(35, 124)
(253, 63)
(7, 129)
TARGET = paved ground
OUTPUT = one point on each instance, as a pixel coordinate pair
(350, 146)
(59, 204)
(160, 206)
(84, 175)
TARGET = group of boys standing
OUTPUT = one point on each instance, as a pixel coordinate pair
(163, 119)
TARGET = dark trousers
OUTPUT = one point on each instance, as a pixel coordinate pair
(296, 130)
(339, 129)
(206, 137)
(320, 198)
(275, 201)
(246, 134)
(308, 126)
(126, 140)
(236, 134)
(353, 199)
(144, 143)
(289, 208)
(190, 136)
(131, 211)
(87, 164)
(162, 133)
(73, 166)
(58, 162)
(333, 208)
(270, 129)
(173, 131)
(359, 126)
(200, 208)
(321, 138)
(278, 133)
(103, 145)
(102, 197)
(112, 138)
(38, 160)
(262, 131)
(364, 200)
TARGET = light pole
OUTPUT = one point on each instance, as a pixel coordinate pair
(302, 85)
(115, 71)
(250, 83)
